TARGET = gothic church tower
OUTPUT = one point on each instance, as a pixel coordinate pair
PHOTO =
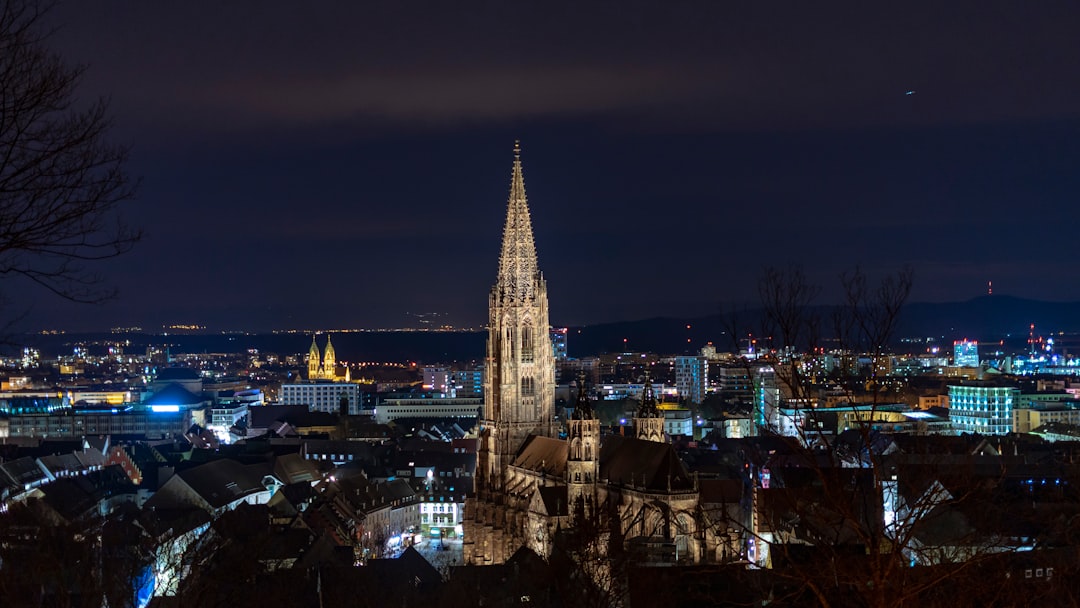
(322, 366)
(329, 362)
(314, 361)
(648, 421)
(519, 372)
(583, 460)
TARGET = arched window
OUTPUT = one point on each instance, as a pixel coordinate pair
(527, 387)
(575, 449)
(526, 343)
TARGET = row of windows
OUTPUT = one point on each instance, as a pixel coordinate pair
(440, 508)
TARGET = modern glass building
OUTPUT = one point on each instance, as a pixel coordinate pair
(691, 377)
(982, 408)
(558, 342)
(966, 353)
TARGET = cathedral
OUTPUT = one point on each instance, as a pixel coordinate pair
(323, 366)
(530, 483)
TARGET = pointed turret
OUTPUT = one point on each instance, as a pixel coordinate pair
(583, 409)
(329, 360)
(648, 422)
(582, 466)
(518, 269)
(313, 360)
(648, 408)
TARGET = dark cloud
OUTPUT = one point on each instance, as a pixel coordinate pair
(721, 65)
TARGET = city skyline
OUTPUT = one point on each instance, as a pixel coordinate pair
(336, 169)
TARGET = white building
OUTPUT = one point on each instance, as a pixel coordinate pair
(982, 408)
(322, 396)
(392, 409)
(678, 422)
(1027, 419)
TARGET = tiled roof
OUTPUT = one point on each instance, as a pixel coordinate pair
(543, 454)
(649, 464)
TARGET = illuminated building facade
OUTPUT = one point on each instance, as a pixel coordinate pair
(691, 377)
(322, 396)
(468, 382)
(982, 408)
(323, 366)
(1027, 419)
(438, 379)
(114, 421)
(966, 353)
(734, 379)
(428, 407)
(558, 342)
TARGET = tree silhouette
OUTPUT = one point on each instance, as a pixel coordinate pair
(61, 182)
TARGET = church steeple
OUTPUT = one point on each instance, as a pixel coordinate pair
(648, 421)
(582, 463)
(314, 360)
(583, 409)
(519, 369)
(518, 269)
(329, 360)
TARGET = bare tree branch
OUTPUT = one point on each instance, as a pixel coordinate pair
(61, 181)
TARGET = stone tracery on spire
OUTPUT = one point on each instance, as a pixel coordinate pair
(518, 269)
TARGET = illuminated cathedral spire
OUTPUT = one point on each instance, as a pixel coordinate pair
(314, 359)
(329, 359)
(519, 372)
(518, 270)
(322, 365)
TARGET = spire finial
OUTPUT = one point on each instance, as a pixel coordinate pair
(517, 149)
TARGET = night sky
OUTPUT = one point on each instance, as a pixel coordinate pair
(343, 166)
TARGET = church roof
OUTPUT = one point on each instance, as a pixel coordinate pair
(555, 500)
(543, 454)
(640, 463)
(518, 270)
(623, 460)
(721, 491)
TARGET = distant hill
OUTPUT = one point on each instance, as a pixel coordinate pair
(990, 317)
(986, 318)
